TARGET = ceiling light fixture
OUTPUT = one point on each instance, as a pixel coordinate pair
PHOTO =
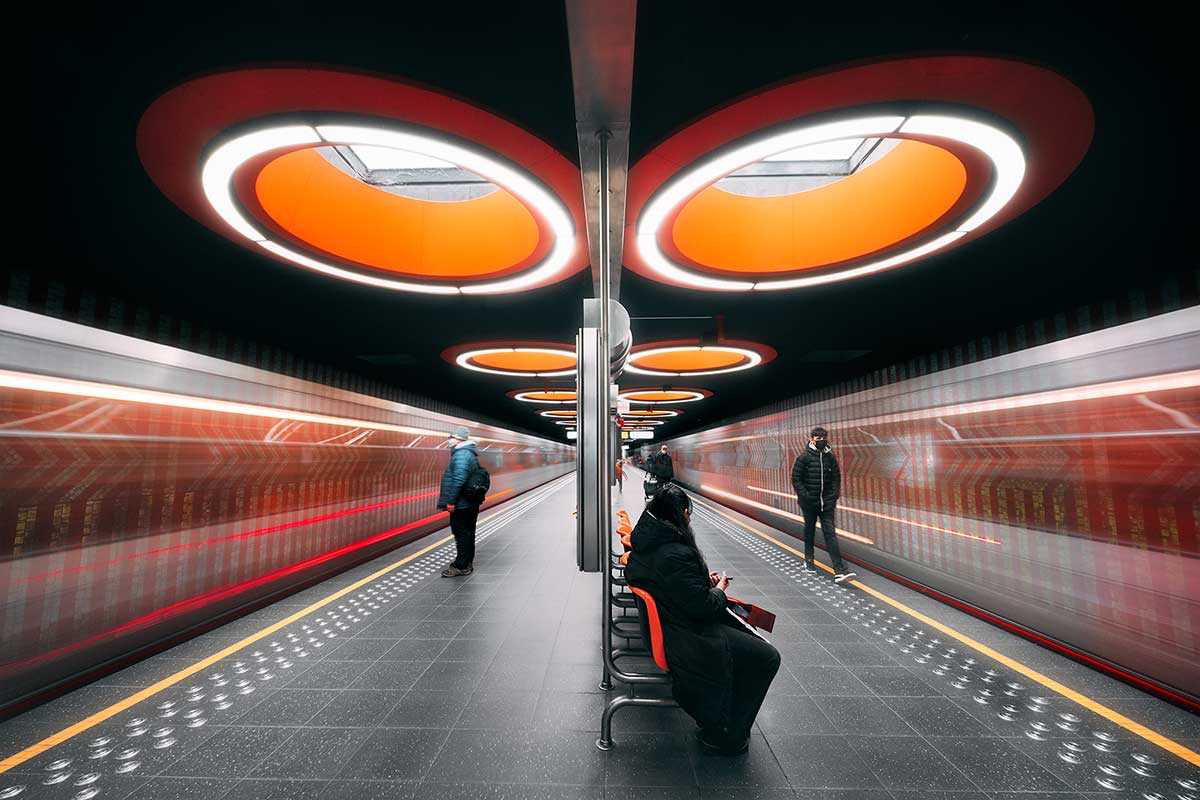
(464, 360)
(548, 396)
(662, 396)
(753, 359)
(1004, 153)
(220, 168)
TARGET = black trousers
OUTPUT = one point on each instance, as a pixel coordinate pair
(755, 663)
(462, 525)
(811, 512)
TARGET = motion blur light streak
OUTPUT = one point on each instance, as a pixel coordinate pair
(181, 476)
(232, 537)
(1083, 491)
(779, 511)
(844, 507)
(39, 383)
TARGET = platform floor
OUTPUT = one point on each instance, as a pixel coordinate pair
(406, 685)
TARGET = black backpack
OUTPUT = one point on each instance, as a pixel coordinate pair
(475, 487)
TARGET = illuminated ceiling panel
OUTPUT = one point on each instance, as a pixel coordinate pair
(965, 156)
(524, 359)
(547, 396)
(273, 187)
(678, 358)
(665, 396)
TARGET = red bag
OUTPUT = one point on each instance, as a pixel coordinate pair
(752, 615)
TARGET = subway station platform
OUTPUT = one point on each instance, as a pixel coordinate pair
(388, 681)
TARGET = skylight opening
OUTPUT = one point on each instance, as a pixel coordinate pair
(375, 157)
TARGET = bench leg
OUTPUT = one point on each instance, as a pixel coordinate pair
(605, 741)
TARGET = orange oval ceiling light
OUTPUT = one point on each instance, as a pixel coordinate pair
(648, 413)
(319, 204)
(653, 396)
(848, 172)
(898, 196)
(548, 396)
(559, 414)
(681, 358)
(527, 359)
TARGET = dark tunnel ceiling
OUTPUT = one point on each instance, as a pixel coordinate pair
(1116, 224)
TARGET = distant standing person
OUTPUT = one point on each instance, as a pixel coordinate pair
(818, 484)
(661, 471)
(460, 495)
(621, 475)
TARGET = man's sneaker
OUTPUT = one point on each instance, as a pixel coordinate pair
(842, 577)
(456, 572)
(808, 568)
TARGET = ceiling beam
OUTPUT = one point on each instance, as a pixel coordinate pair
(601, 36)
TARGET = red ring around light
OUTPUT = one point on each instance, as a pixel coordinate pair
(177, 130)
(1052, 116)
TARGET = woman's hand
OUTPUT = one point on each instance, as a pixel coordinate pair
(722, 583)
(713, 577)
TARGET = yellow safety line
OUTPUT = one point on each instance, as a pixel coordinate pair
(53, 740)
(1083, 700)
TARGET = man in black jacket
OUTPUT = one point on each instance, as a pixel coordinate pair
(661, 471)
(818, 484)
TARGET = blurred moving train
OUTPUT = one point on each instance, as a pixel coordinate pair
(146, 492)
(1056, 488)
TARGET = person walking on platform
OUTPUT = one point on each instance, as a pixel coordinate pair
(660, 470)
(461, 497)
(621, 475)
(818, 484)
(720, 672)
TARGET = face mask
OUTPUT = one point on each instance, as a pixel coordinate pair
(821, 444)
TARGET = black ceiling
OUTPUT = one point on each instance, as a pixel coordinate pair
(1117, 223)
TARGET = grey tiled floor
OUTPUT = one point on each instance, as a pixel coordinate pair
(486, 688)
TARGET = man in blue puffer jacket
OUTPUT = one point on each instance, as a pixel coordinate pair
(464, 512)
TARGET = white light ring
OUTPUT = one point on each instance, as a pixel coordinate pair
(754, 360)
(565, 422)
(1004, 153)
(658, 412)
(463, 360)
(216, 177)
(220, 167)
(642, 423)
(557, 414)
(695, 396)
(524, 398)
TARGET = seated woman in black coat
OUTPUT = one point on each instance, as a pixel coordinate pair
(720, 671)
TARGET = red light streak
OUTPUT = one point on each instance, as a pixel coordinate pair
(893, 519)
(220, 593)
(231, 537)
(847, 534)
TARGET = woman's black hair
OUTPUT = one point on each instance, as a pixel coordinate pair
(670, 505)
